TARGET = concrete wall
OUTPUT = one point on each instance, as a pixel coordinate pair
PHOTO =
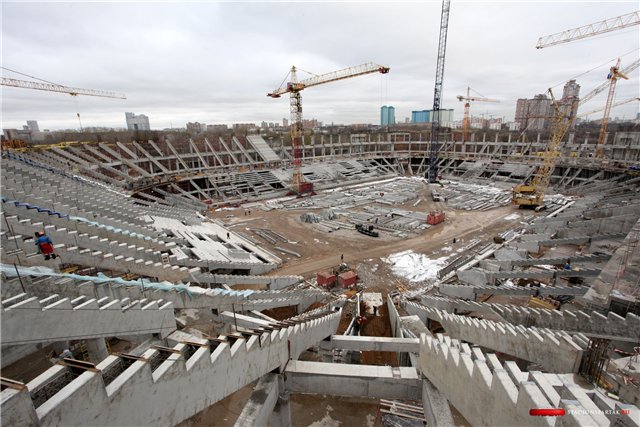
(337, 379)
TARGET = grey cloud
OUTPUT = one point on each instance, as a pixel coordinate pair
(215, 62)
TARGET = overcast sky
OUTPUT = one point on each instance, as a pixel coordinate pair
(214, 62)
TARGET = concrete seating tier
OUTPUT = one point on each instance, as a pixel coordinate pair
(182, 297)
(578, 321)
(116, 391)
(75, 255)
(471, 291)
(556, 351)
(487, 392)
(28, 319)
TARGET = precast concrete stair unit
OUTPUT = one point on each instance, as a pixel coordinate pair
(488, 393)
(579, 321)
(165, 385)
(181, 296)
(28, 319)
(556, 351)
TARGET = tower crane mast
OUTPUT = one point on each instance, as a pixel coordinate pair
(294, 87)
(466, 118)
(613, 77)
(434, 144)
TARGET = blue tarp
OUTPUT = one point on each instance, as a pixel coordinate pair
(10, 271)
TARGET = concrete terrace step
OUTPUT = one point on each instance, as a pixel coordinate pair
(580, 321)
(104, 261)
(474, 381)
(470, 291)
(117, 392)
(555, 351)
(29, 319)
(191, 297)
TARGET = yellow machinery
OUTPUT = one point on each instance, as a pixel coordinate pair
(532, 194)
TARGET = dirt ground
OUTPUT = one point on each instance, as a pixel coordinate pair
(321, 251)
(281, 313)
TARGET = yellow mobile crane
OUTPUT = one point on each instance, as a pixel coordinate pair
(532, 194)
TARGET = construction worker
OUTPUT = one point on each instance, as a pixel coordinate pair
(341, 258)
(45, 245)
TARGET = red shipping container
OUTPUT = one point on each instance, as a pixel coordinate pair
(326, 279)
(347, 279)
(435, 218)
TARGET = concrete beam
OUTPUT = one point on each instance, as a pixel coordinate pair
(380, 382)
(375, 343)
(436, 406)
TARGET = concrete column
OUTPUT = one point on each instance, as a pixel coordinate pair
(97, 350)
(281, 416)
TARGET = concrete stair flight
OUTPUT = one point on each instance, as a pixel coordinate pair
(556, 351)
(29, 319)
(187, 377)
(487, 392)
(578, 321)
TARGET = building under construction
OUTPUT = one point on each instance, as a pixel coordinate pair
(358, 278)
(166, 246)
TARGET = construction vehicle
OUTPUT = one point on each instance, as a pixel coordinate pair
(531, 194)
(294, 87)
(367, 229)
(467, 105)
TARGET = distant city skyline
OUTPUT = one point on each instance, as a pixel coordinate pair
(146, 50)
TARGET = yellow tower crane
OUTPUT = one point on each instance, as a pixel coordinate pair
(294, 87)
(613, 77)
(466, 118)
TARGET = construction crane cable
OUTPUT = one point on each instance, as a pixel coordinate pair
(596, 67)
(33, 77)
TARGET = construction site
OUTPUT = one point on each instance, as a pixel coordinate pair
(390, 278)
